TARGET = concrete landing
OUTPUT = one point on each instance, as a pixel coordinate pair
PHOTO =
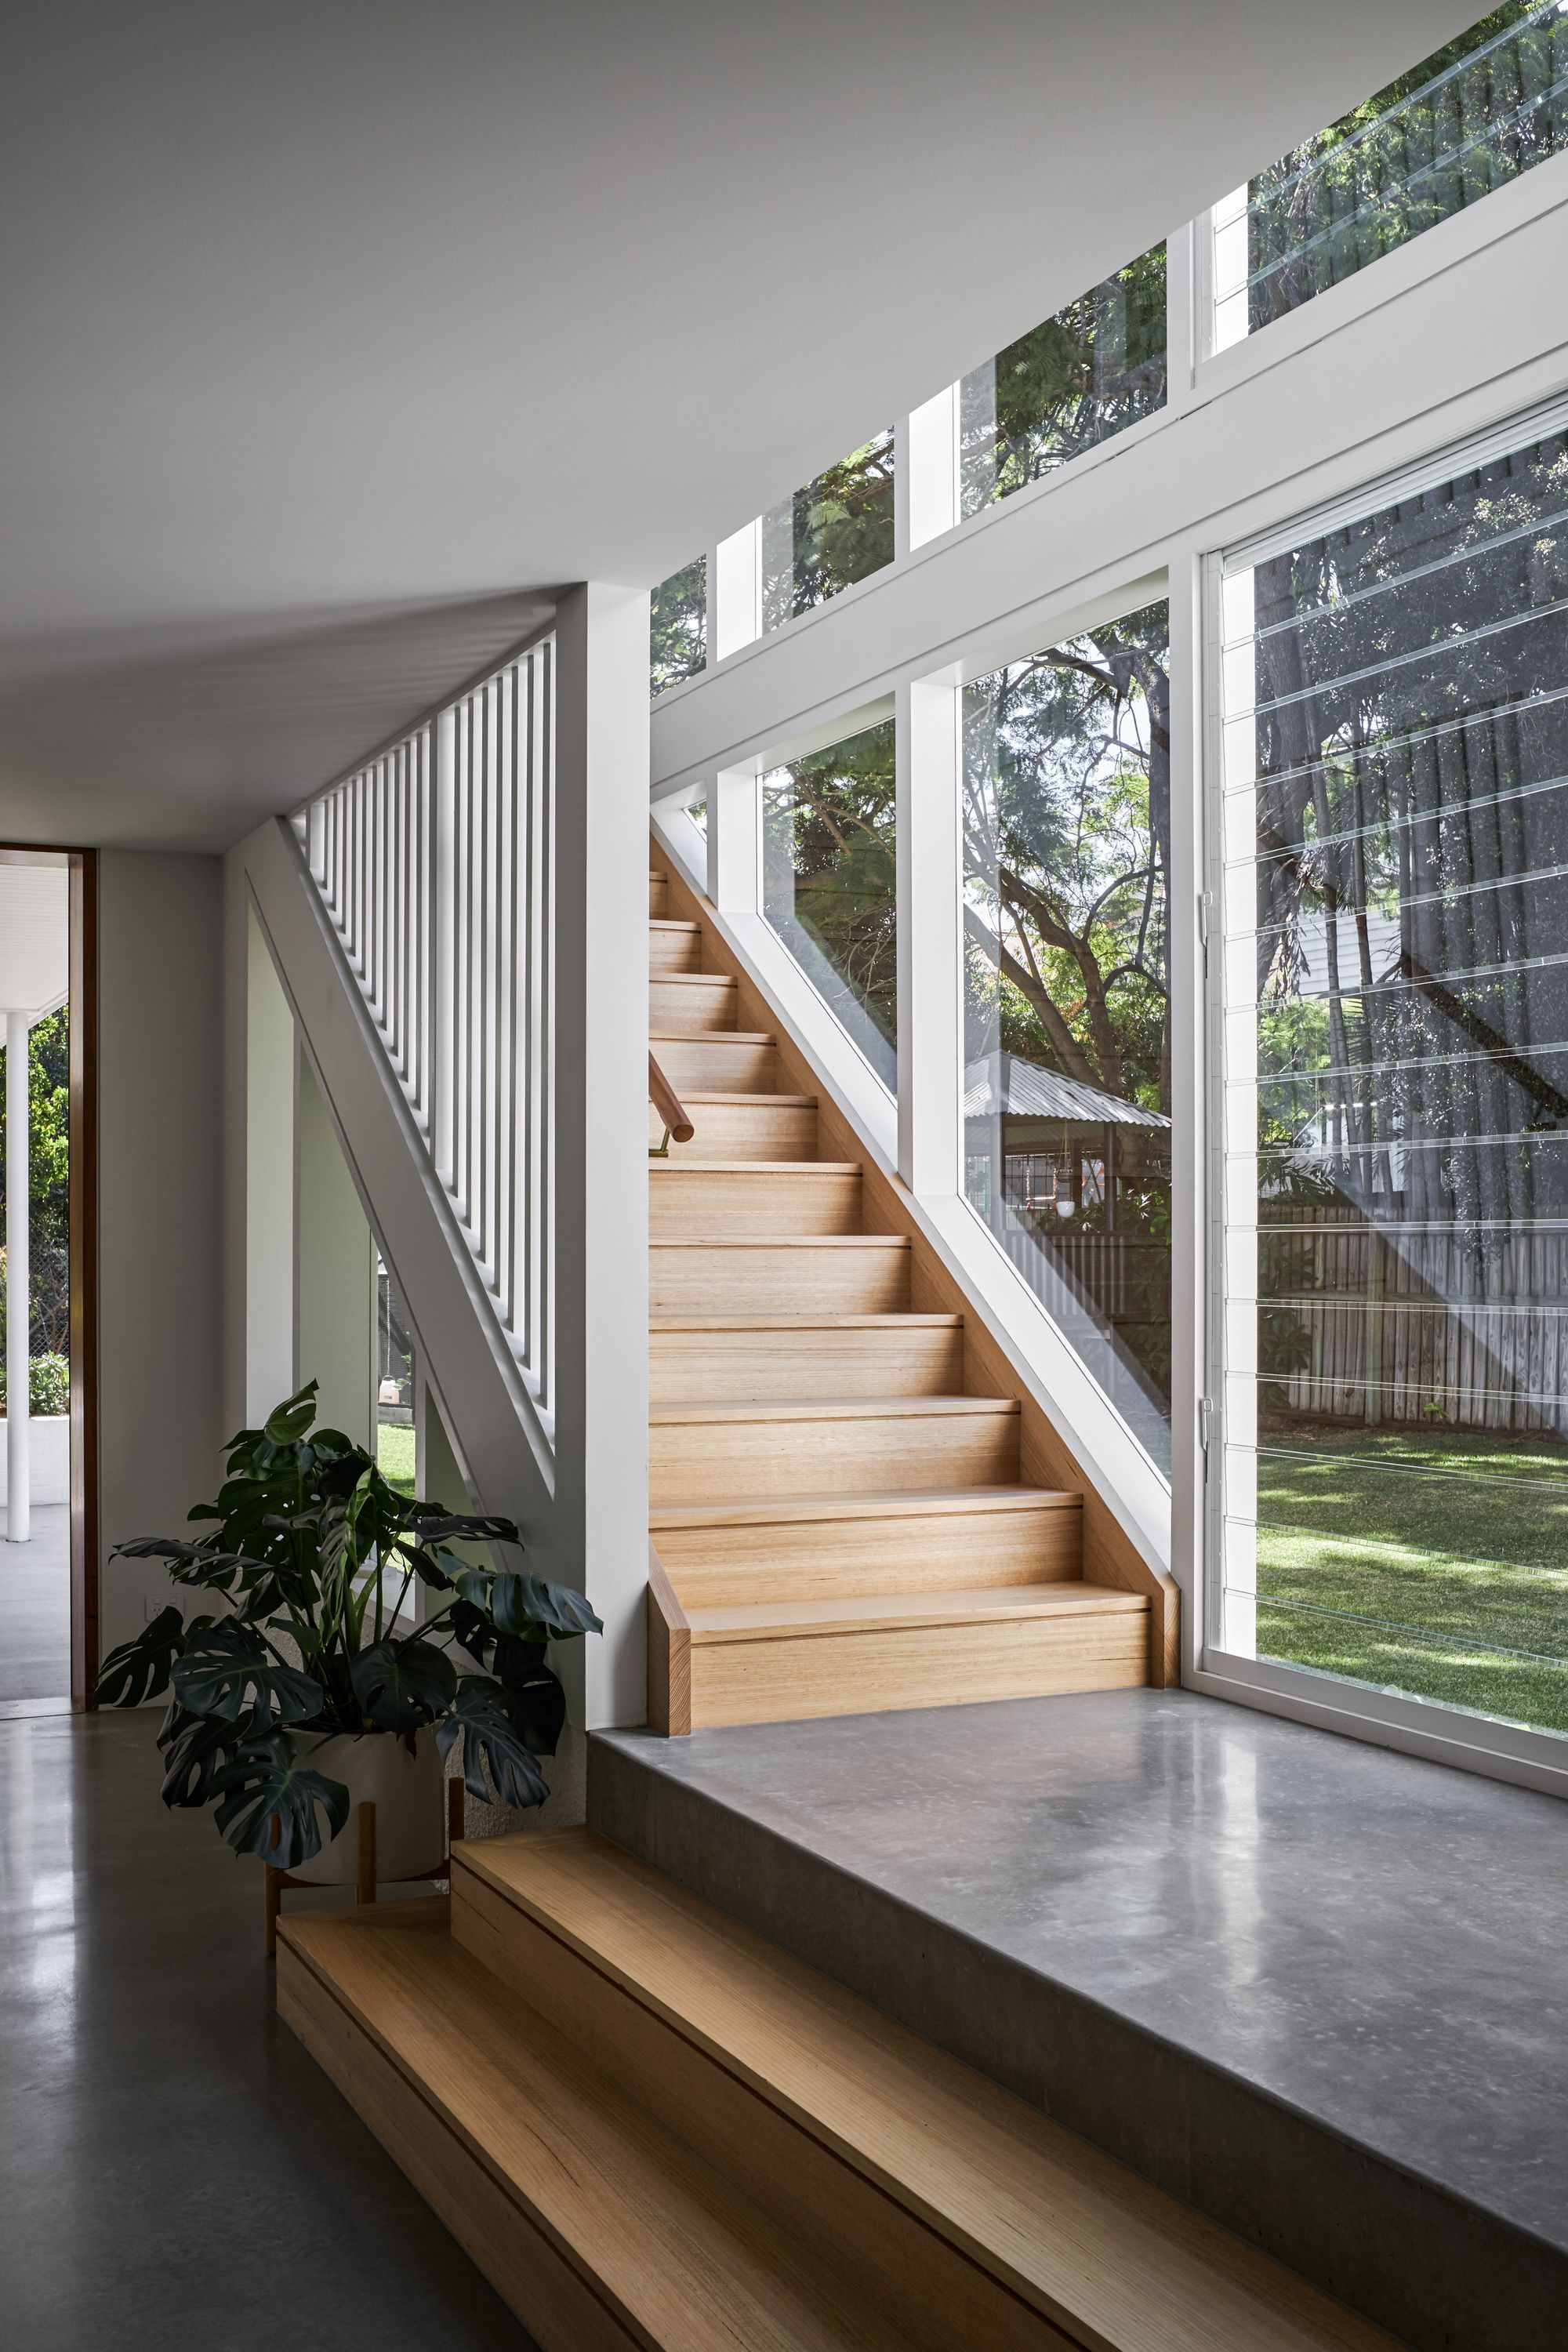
(1318, 1990)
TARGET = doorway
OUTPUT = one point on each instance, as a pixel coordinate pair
(48, 1535)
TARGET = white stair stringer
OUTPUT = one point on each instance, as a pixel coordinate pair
(454, 1315)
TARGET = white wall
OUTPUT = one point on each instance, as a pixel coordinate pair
(160, 1324)
(335, 1280)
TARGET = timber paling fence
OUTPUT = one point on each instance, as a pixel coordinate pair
(1465, 1328)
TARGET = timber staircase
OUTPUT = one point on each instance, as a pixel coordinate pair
(655, 2133)
(841, 1520)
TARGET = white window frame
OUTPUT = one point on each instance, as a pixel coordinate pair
(1449, 1735)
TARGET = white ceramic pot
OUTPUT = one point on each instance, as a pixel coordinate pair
(408, 1792)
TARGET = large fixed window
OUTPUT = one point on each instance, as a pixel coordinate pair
(1393, 1219)
(834, 531)
(1087, 372)
(1066, 1076)
(1464, 121)
(830, 883)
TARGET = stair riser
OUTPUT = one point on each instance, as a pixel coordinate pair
(694, 1199)
(712, 1568)
(674, 952)
(697, 1278)
(718, 1065)
(729, 1461)
(561, 2311)
(689, 1367)
(934, 2296)
(785, 1679)
(689, 1007)
(741, 1130)
(657, 897)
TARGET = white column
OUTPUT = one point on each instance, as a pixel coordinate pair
(18, 1281)
(734, 817)
(925, 478)
(735, 592)
(930, 1023)
(601, 1129)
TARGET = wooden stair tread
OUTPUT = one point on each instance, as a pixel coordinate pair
(902, 1408)
(823, 1321)
(1118, 2264)
(767, 1620)
(725, 1037)
(766, 1102)
(671, 923)
(780, 1240)
(696, 980)
(908, 1503)
(667, 1170)
(676, 2255)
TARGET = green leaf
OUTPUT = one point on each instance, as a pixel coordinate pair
(195, 1752)
(484, 1718)
(138, 1670)
(289, 1422)
(435, 1526)
(519, 1666)
(403, 1685)
(266, 1782)
(225, 1664)
(528, 1606)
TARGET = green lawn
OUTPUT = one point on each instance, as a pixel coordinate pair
(1427, 1562)
(395, 1453)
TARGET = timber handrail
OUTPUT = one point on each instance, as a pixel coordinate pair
(671, 1108)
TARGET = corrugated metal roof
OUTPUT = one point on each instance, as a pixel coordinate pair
(1030, 1091)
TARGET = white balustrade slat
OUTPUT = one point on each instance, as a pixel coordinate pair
(434, 865)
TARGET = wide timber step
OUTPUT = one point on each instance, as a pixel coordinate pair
(658, 891)
(768, 1199)
(742, 1125)
(813, 1547)
(689, 1002)
(786, 1661)
(588, 2210)
(747, 1357)
(737, 1062)
(674, 947)
(720, 1452)
(942, 2209)
(865, 1274)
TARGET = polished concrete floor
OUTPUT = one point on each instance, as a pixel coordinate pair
(34, 1609)
(175, 2174)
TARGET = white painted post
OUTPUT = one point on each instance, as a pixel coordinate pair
(1224, 233)
(1186, 285)
(600, 999)
(734, 846)
(735, 592)
(925, 473)
(18, 1282)
(931, 935)
(267, 1162)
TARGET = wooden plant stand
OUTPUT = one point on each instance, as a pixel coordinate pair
(365, 1882)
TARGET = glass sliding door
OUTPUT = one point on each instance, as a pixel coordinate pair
(1393, 1212)
(1067, 1112)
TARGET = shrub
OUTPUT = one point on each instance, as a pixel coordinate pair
(49, 1385)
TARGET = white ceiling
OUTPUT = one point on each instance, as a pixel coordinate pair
(335, 331)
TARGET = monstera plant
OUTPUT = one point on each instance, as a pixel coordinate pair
(312, 1566)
